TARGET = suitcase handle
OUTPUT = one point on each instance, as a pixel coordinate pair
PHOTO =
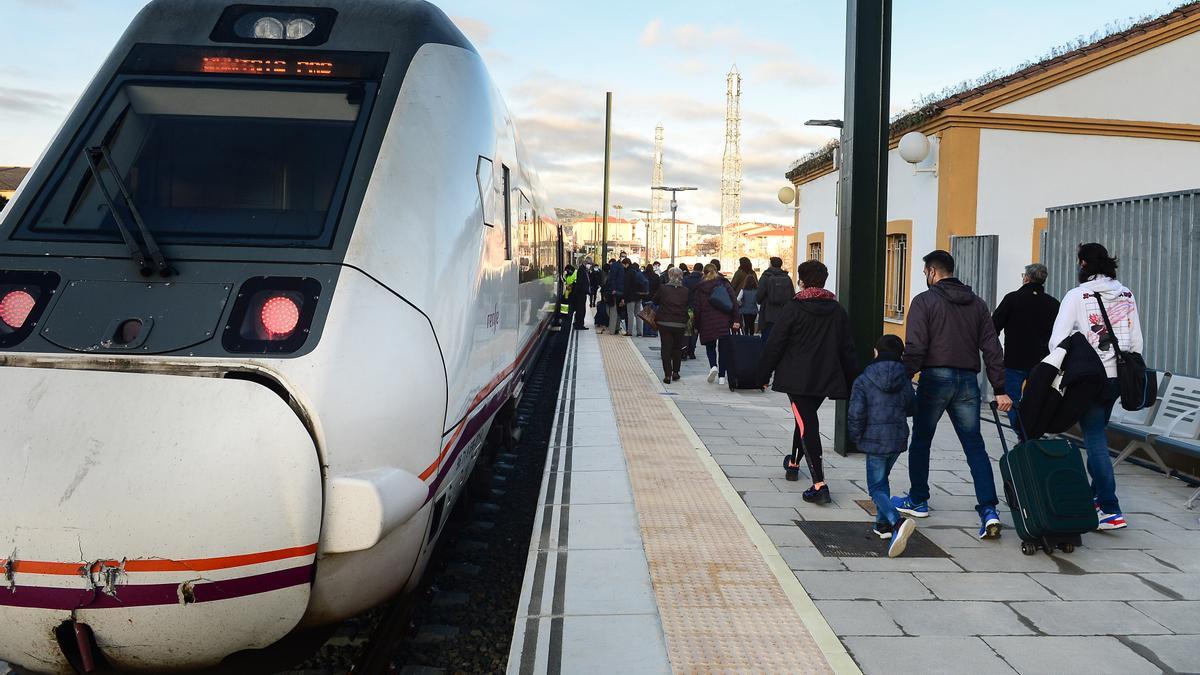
(999, 427)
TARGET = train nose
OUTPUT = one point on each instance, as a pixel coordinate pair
(176, 516)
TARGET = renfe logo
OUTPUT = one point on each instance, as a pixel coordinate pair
(493, 319)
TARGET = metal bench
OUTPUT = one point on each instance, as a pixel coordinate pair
(1174, 423)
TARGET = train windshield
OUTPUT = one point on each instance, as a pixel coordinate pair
(209, 165)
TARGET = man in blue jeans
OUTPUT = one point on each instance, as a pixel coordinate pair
(948, 327)
(1026, 316)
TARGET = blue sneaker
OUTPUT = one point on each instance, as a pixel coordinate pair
(989, 524)
(908, 507)
(900, 535)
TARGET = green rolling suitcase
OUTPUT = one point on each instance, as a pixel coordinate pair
(1047, 488)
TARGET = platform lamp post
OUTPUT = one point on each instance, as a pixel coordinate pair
(674, 206)
(645, 251)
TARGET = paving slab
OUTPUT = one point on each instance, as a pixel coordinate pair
(808, 558)
(983, 586)
(858, 617)
(863, 585)
(926, 655)
(1097, 587)
(1068, 654)
(1088, 618)
(1180, 616)
(951, 617)
(1180, 653)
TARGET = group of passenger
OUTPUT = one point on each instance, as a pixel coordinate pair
(809, 356)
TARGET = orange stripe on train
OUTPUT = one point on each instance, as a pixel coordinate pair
(158, 564)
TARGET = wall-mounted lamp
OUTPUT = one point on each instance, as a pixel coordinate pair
(914, 149)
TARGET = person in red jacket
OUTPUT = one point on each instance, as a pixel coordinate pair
(811, 352)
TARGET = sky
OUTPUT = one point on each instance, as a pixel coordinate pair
(665, 62)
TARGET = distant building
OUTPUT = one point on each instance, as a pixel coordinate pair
(762, 241)
(10, 179)
(1114, 118)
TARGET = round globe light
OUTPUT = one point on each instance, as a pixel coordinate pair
(914, 147)
(787, 195)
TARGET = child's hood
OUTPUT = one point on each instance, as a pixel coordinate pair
(889, 376)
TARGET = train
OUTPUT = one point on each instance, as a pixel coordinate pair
(275, 280)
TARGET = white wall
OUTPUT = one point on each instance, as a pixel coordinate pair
(1021, 174)
(914, 196)
(911, 196)
(818, 213)
(1157, 85)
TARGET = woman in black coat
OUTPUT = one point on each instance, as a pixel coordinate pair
(811, 352)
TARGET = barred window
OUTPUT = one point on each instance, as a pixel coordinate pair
(895, 274)
(814, 251)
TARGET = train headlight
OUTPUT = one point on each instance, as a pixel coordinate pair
(257, 23)
(268, 28)
(299, 28)
(24, 296)
(272, 315)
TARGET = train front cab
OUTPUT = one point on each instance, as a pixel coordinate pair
(168, 418)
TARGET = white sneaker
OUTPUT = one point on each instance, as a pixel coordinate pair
(712, 375)
(720, 380)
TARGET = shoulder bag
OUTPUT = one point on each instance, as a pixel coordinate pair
(649, 316)
(719, 299)
(1138, 384)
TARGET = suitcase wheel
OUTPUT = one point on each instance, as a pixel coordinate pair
(1067, 548)
(1029, 548)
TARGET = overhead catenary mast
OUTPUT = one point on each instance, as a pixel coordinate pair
(731, 168)
(656, 205)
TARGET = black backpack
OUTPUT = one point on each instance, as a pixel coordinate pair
(779, 289)
(1137, 383)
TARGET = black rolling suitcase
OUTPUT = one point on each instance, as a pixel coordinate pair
(1048, 491)
(740, 355)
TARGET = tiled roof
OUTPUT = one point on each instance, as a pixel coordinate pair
(914, 118)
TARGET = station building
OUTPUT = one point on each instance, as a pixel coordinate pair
(1115, 118)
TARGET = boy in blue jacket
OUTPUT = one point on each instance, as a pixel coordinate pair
(881, 402)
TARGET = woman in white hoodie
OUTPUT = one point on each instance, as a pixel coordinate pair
(1080, 311)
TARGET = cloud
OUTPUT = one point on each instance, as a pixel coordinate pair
(29, 101)
(794, 73)
(479, 32)
(693, 38)
(652, 34)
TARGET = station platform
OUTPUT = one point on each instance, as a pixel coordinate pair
(723, 567)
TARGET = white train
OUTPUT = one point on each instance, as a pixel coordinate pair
(262, 297)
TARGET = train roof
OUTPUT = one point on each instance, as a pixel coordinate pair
(398, 26)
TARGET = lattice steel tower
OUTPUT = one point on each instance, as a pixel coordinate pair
(731, 168)
(656, 196)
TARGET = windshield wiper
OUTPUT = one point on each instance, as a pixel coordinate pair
(157, 261)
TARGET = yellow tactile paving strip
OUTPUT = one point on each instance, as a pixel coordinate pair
(722, 607)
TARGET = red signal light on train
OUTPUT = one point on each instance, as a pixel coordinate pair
(279, 316)
(15, 307)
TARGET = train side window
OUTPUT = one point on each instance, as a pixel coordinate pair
(485, 181)
(507, 213)
(524, 237)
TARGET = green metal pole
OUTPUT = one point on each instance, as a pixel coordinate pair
(862, 215)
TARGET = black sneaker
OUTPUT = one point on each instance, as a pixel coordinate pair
(883, 530)
(790, 471)
(817, 495)
(667, 380)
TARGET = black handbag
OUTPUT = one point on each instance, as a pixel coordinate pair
(1137, 383)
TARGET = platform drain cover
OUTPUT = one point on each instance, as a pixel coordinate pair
(841, 539)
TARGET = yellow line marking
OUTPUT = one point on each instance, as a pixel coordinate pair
(833, 649)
